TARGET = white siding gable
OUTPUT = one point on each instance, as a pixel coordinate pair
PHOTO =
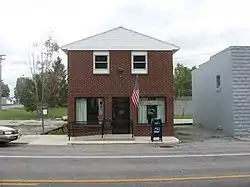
(120, 39)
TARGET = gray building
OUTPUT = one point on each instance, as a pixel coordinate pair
(221, 92)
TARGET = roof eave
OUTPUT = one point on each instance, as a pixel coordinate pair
(175, 50)
(64, 50)
(111, 49)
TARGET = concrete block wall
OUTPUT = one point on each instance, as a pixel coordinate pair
(183, 106)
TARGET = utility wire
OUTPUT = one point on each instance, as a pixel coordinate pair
(195, 55)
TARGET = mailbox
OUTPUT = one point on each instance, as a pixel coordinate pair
(156, 130)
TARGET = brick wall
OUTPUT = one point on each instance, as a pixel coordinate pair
(158, 82)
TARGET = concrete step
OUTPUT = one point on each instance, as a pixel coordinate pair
(108, 137)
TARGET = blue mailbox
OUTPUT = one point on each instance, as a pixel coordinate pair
(156, 130)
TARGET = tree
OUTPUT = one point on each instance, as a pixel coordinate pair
(183, 80)
(60, 74)
(24, 93)
(5, 90)
(56, 84)
(41, 61)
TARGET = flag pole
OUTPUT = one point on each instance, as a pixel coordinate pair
(136, 109)
(135, 99)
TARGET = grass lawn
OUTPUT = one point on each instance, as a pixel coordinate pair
(183, 117)
(22, 114)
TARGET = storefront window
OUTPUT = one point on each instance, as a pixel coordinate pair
(150, 108)
(89, 110)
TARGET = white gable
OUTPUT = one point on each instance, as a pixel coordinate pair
(120, 39)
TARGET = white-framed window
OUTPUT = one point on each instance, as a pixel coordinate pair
(139, 62)
(101, 62)
(89, 111)
(151, 108)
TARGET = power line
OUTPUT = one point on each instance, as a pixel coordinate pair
(201, 54)
(195, 55)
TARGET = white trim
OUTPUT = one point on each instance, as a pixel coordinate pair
(137, 41)
(139, 71)
(101, 71)
(117, 49)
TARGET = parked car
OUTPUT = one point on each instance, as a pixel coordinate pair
(8, 134)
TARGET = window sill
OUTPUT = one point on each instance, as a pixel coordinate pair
(143, 71)
(146, 124)
(101, 71)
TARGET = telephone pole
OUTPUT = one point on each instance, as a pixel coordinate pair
(1, 85)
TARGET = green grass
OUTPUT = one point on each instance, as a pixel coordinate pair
(58, 112)
(183, 117)
(22, 114)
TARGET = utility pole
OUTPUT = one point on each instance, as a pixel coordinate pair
(1, 85)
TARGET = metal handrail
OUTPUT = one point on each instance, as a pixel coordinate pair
(103, 126)
(71, 127)
(132, 127)
(102, 130)
(68, 125)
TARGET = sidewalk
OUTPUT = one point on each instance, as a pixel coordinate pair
(43, 140)
(121, 139)
(90, 140)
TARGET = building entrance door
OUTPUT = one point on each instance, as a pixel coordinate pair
(120, 115)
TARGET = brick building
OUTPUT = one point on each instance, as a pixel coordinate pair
(101, 75)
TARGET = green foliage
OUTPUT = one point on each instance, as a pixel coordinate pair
(183, 80)
(25, 93)
(5, 90)
(60, 82)
(48, 84)
(55, 92)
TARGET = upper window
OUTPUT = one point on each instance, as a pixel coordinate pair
(101, 62)
(139, 63)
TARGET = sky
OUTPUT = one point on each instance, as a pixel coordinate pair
(200, 28)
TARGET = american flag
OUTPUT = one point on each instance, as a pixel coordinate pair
(135, 93)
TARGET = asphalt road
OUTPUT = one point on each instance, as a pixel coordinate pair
(214, 163)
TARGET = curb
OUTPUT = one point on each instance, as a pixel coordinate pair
(121, 143)
(242, 139)
(18, 143)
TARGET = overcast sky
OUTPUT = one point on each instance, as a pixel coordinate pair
(199, 27)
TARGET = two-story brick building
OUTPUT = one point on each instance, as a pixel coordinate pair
(101, 75)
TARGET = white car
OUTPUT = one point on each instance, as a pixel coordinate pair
(8, 134)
